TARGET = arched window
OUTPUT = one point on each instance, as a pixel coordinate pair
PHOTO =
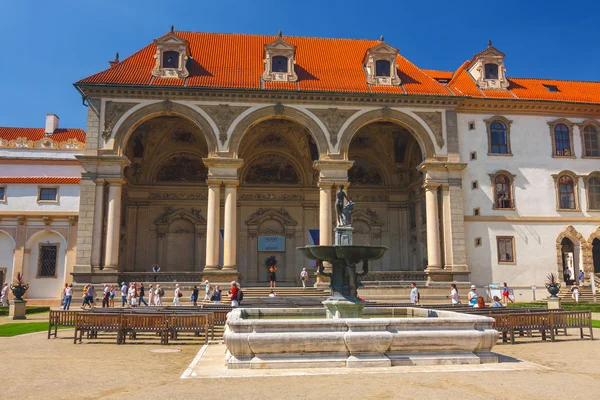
(170, 59)
(562, 141)
(566, 192)
(279, 64)
(503, 191)
(382, 68)
(491, 71)
(498, 138)
(591, 141)
(593, 189)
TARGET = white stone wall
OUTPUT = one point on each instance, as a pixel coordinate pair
(7, 247)
(45, 288)
(23, 197)
(39, 170)
(535, 223)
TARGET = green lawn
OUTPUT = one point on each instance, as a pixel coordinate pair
(28, 310)
(20, 328)
(593, 307)
(595, 323)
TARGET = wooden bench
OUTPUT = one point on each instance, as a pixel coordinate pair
(194, 323)
(133, 323)
(92, 323)
(571, 320)
(60, 318)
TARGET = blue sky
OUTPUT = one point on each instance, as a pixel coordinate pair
(52, 44)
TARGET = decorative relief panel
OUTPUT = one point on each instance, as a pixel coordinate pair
(333, 118)
(183, 167)
(363, 172)
(434, 121)
(114, 111)
(270, 197)
(176, 196)
(223, 115)
(271, 168)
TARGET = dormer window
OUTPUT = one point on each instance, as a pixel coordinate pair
(380, 65)
(487, 68)
(491, 71)
(279, 64)
(279, 61)
(172, 53)
(382, 68)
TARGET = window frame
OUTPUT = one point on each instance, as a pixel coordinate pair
(485, 64)
(582, 128)
(575, 179)
(389, 68)
(287, 64)
(165, 53)
(38, 274)
(593, 175)
(569, 125)
(507, 124)
(513, 250)
(39, 200)
(3, 198)
(511, 190)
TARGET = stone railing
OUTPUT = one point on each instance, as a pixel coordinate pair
(160, 276)
(394, 276)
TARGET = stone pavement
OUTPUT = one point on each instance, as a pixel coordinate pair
(94, 370)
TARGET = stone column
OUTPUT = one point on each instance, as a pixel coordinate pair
(98, 224)
(325, 213)
(20, 241)
(447, 227)
(71, 248)
(113, 225)
(417, 264)
(433, 230)
(230, 227)
(212, 225)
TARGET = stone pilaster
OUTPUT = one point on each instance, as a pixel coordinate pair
(433, 229)
(92, 127)
(113, 224)
(85, 224)
(20, 241)
(230, 227)
(98, 223)
(212, 226)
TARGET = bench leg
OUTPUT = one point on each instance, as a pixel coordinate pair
(512, 336)
(591, 332)
(581, 332)
(552, 336)
(49, 330)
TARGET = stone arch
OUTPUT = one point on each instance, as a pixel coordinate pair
(388, 115)
(10, 236)
(278, 112)
(44, 287)
(574, 236)
(41, 232)
(588, 256)
(385, 175)
(152, 171)
(303, 177)
(165, 108)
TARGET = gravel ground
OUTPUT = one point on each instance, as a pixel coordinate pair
(36, 368)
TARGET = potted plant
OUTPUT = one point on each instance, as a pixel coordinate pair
(19, 288)
(553, 285)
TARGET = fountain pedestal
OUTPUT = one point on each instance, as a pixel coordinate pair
(343, 235)
(339, 306)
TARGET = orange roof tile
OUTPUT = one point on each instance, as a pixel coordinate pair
(435, 74)
(36, 134)
(236, 61)
(42, 180)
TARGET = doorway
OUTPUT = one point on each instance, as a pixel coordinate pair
(596, 255)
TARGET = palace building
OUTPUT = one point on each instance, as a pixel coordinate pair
(206, 153)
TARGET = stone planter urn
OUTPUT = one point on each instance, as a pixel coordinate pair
(19, 288)
(552, 285)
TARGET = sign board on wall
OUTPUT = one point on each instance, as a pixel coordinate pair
(271, 243)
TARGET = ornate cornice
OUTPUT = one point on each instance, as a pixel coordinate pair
(528, 107)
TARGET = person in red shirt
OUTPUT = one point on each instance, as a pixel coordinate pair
(233, 294)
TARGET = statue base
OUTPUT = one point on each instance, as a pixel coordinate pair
(339, 306)
(343, 235)
(16, 309)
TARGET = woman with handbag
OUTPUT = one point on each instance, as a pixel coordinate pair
(177, 295)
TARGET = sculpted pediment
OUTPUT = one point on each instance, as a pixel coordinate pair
(280, 215)
(171, 215)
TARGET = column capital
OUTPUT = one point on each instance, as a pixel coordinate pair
(325, 185)
(114, 181)
(100, 181)
(231, 183)
(431, 185)
(213, 182)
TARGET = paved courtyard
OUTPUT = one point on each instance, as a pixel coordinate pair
(52, 369)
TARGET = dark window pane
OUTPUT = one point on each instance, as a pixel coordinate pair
(48, 194)
(505, 250)
(590, 141)
(1, 193)
(382, 68)
(499, 138)
(170, 59)
(566, 193)
(503, 198)
(279, 64)
(594, 193)
(491, 71)
(561, 140)
(47, 262)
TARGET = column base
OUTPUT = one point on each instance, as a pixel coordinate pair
(221, 277)
(211, 268)
(16, 309)
(230, 268)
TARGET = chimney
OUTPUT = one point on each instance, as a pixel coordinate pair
(115, 61)
(51, 123)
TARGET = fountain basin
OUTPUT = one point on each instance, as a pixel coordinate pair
(351, 254)
(418, 337)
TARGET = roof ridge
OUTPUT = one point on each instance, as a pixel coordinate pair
(284, 36)
(552, 79)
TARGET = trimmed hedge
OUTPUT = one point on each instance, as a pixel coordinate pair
(28, 310)
(593, 307)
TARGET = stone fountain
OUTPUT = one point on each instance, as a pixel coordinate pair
(344, 333)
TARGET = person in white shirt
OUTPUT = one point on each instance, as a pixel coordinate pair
(414, 293)
(454, 294)
(272, 294)
(123, 294)
(68, 296)
(4, 295)
(303, 277)
(158, 296)
(207, 290)
(176, 295)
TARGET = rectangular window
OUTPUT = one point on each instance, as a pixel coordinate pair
(473, 155)
(506, 249)
(2, 193)
(471, 126)
(48, 194)
(478, 242)
(591, 145)
(476, 211)
(474, 185)
(47, 261)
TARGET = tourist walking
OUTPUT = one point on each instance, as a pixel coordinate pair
(414, 293)
(158, 294)
(497, 302)
(575, 292)
(105, 295)
(123, 294)
(454, 297)
(207, 290)
(506, 294)
(303, 277)
(150, 295)
(581, 278)
(4, 295)
(111, 297)
(132, 295)
(141, 294)
(62, 296)
(233, 294)
(473, 296)
(176, 295)
(216, 296)
(195, 293)
(68, 296)
(567, 275)
(88, 296)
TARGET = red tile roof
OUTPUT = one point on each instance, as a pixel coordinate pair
(435, 74)
(42, 180)
(36, 134)
(236, 61)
